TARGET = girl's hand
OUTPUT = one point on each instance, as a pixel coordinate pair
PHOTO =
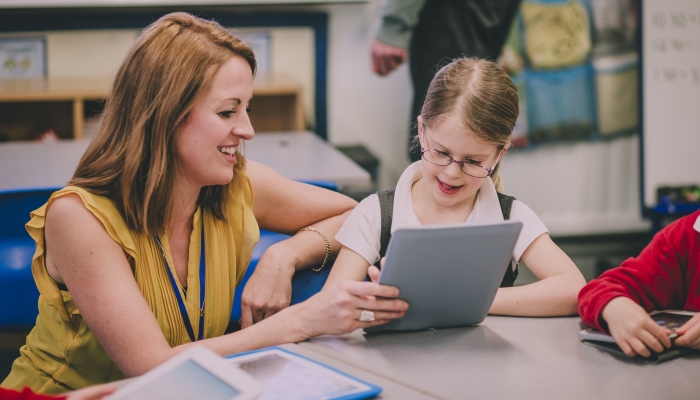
(374, 272)
(633, 329)
(689, 333)
(336, 310)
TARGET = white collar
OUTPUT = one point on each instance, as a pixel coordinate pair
(487, 208)
(697, 224)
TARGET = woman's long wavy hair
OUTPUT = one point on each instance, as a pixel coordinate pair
(132, 160)
(482, 95)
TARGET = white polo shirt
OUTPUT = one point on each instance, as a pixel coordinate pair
(361, 232)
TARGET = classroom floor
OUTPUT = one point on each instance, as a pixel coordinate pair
(592, 255)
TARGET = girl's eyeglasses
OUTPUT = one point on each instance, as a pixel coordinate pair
(469, 168)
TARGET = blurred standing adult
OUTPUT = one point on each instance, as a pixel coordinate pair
(429, 33)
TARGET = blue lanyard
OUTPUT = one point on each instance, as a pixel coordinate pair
(202, 282)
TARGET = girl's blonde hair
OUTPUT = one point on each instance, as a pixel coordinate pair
(132, 159)
(481, 94)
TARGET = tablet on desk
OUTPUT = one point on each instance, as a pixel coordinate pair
(197, 373)
(448, 274)
(671, 319)
(287, 375)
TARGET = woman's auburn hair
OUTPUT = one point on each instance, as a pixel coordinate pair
(481, 94)
(132, 160)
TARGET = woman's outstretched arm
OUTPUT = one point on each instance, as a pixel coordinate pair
(283, 205)
(81, 254)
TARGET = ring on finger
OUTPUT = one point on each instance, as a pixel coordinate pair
(366, 316)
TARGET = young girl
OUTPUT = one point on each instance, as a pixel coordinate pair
(463, 131)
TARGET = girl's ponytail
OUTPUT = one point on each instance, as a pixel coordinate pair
(497, 180)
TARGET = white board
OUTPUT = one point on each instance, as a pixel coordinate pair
(671, 95)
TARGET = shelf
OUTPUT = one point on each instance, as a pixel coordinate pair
(52, 90)
(28, 107)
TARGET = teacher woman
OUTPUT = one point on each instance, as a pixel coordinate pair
(140, 255)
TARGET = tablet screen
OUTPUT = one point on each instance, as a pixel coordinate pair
(284, 376)
(671, 320)
(186, 381)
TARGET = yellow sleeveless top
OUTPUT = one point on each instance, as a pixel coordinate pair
(62, 354)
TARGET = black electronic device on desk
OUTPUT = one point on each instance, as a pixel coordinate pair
(671, 319)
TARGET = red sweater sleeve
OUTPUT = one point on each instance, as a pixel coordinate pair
(654, 280)
(26, 394)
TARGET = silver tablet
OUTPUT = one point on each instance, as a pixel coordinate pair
(196, 373)
(448, 274)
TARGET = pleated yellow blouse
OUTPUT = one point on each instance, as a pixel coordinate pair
(62, 354)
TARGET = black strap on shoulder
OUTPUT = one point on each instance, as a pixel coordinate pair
(386, 207)
(506, 204)
(511, 274)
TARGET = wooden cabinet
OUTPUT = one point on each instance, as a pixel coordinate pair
(31, 107)
(277, 105)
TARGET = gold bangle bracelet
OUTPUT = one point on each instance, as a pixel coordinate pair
(325, 240)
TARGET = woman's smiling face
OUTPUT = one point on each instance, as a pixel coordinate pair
(449, 185)
(207, 140)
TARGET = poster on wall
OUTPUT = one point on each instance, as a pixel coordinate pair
(22, 58)
(575, 66)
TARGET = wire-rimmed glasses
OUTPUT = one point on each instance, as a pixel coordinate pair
(468, 167)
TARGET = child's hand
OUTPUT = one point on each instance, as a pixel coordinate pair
(634, 330)
(373, 273)
(689, 333)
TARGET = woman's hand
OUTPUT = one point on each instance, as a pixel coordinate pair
(689, 333)
(269, 289)
(336, 310)
(633, 329)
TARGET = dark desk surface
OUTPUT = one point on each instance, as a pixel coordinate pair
(507, 357)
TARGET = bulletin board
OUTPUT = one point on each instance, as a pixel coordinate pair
(670, 117)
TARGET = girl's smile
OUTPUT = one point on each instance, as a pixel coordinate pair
(448, 189)
(445, 193)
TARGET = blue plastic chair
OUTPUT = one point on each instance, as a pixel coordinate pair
(16, 252)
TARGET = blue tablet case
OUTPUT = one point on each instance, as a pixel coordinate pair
(371, 392)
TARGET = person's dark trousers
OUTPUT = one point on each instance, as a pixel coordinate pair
(449, 29)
